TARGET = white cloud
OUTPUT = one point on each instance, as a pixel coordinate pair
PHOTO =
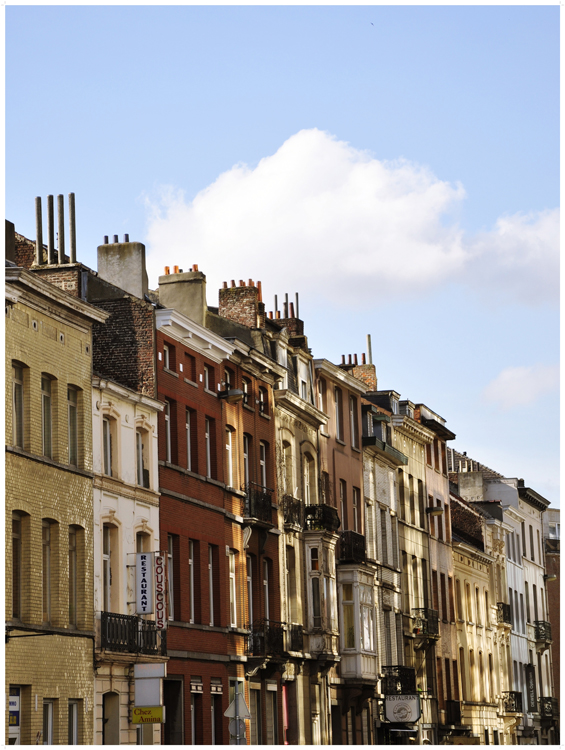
(323, 218)
(521, 386)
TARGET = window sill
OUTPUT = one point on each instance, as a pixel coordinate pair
(191, 382)
(170, 372)
(325, 434)
(211, 393)
(354, 448)
(48, 461)
(265, 416)
(249, 408)
(340, 441)
(235, 491)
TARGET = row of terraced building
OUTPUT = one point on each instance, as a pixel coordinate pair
(329, 557)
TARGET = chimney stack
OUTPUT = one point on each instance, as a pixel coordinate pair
(38, 233)
(72, 230)
(123, 264)
(243, 304)
(61, 218)
(50, 231)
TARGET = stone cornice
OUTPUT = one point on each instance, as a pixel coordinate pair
(409, 427)
(255, 362)
(191, 334)
(126, 394)
(286, 399)
(466, 549)
(335, 372)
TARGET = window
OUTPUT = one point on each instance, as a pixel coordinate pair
(233, 589)
(401, 494)
(46, 416)
(73, 599)
(48, 722)
(304, 390)
(266, 590)
(367, 618)
(230, 476)
(211, 581)
(315, 568)
(487, 610)
(447, 516)
(107, 440)
(255, 710)
(16, 566)
(72, 404)
(271, 716)
(263, 401)
(469, 604)
(46, 567)
(308, 479)
(532, 555)
(436, 454)
(208, 438)
(421, 508)
(249, 563)
(429, 454)
(208, 378)
(443, 589)
(554, 530)
(72, 737)
(246, 459)
(141, 460)
(343, 503)
(354, 422)
(412, 500)
(263, 463)
(540, 559)
(338, 415)
(190, 367)
(432, 518)
(171, 562)
(322, 394)
(18, 405)
(348, 616)
(356, 510)
(109, 534)
(384, 536)
(247, 391)
(478, 606)
(435, 591)
(166, 357)
(451, 600)
(229, 378)
(191, 577)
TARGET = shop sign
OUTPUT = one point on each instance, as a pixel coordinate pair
(402, 708)
(148, 715)
(160, 592)
(14, 707)
(531, 687)
(144, 578)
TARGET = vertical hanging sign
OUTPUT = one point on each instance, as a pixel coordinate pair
(144, 581)
(531, 687)
(160, 592)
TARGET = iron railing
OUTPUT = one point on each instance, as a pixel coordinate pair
(398, 680)
(294, 636)
(427, 622)
(503, 613)
(258, 502)
(266, 638)
(543, 631)
(321, 518)
(453, 712)
(293, 511)
(130, 634)
(512, 702)
(351, 547)
(548, 707)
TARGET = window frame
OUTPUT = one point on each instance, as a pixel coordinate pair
(46, 415)
(18, 406)
(73, 425)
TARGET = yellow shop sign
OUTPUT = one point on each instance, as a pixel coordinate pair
(148, 715)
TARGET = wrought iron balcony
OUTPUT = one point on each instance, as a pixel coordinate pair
(427, 622)
(294, 638)
(543, 631)
(351, 547)
(321, 518)
(548, 707)
(512, 702)
(453, 712)
(258, 502)
(293, 511)
(398, 680)
(503, 613)
(265, 639)
(130, 634)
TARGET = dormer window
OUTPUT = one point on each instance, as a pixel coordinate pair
(394, 404)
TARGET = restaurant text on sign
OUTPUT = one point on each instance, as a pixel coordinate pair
(144, 580)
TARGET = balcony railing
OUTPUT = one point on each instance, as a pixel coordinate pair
(265, 639)
(398, 680)
(512, 702)
(293, 511)
(427, 622)
(543, 631)
(258, 502)
(503, 613)
(453, 712)
(351, 547)
(548, 707)
(321, 518)
(294, 638)
(130, 634)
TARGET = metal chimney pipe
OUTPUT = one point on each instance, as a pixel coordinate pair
(38, 233)
(286, 305)
(343, 359)
(72, 229)
(116, 239)
(363, 362)
(50, 231)
(355, 360)
(126, 237)
(260, 289)
(296, 296)
(276, 304)
(61, 238)
(105, 239)
(369, 350)
(292, 310)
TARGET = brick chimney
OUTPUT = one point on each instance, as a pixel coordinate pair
(185, 292)
(366, 374)
(123, 264)
(243, 304)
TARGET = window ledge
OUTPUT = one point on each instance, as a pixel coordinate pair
(170, 372)
(265, 416)
(191, 382)
(235, 491)
(340, 441)
(354, 448)
(48, 461)
(211, 393)
(325, 434)
(249, 408)
(216, 482)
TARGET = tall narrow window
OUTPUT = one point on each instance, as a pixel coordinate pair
(384, 536)
(233, 590)
(211, 581)
(401, 495)
(469, 603)
(47, 722)
(528, 616)
(246, 387)
(72, 735)
(353, 422)
(321, 394)
(246, 459)
(229, 458)
(394, 540)
(535, 598)
(72, 576)
(46, 416)
(338, 415)
(432, 519)
(263, 401)
(141, 460)
(72, 402)
(168, 432)
(458, 599)
(166, 357)
(348, 616)
(249, 561)
(16, 566)
(478, 606)
(532, 555)
(412, 500)
(343, 503)
(207, 378)
(266, 589)
(46, 530)
(107, 440)
(451, 600)
(18, 405)
(421, 508)
(356, 510)
(540, 560)
(191, 565)
(263, 463)
(487, 609)
(443, 590)
(208, 440)
(188, 441)
(315, 567)
(106, 569)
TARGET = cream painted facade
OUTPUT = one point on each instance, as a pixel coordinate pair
(126, 521)
(49, 513)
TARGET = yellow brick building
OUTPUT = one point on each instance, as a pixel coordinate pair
(49, 513)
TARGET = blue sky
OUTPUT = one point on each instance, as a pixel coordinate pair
(396, 166)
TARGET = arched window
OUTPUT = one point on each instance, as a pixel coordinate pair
(142, 458)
